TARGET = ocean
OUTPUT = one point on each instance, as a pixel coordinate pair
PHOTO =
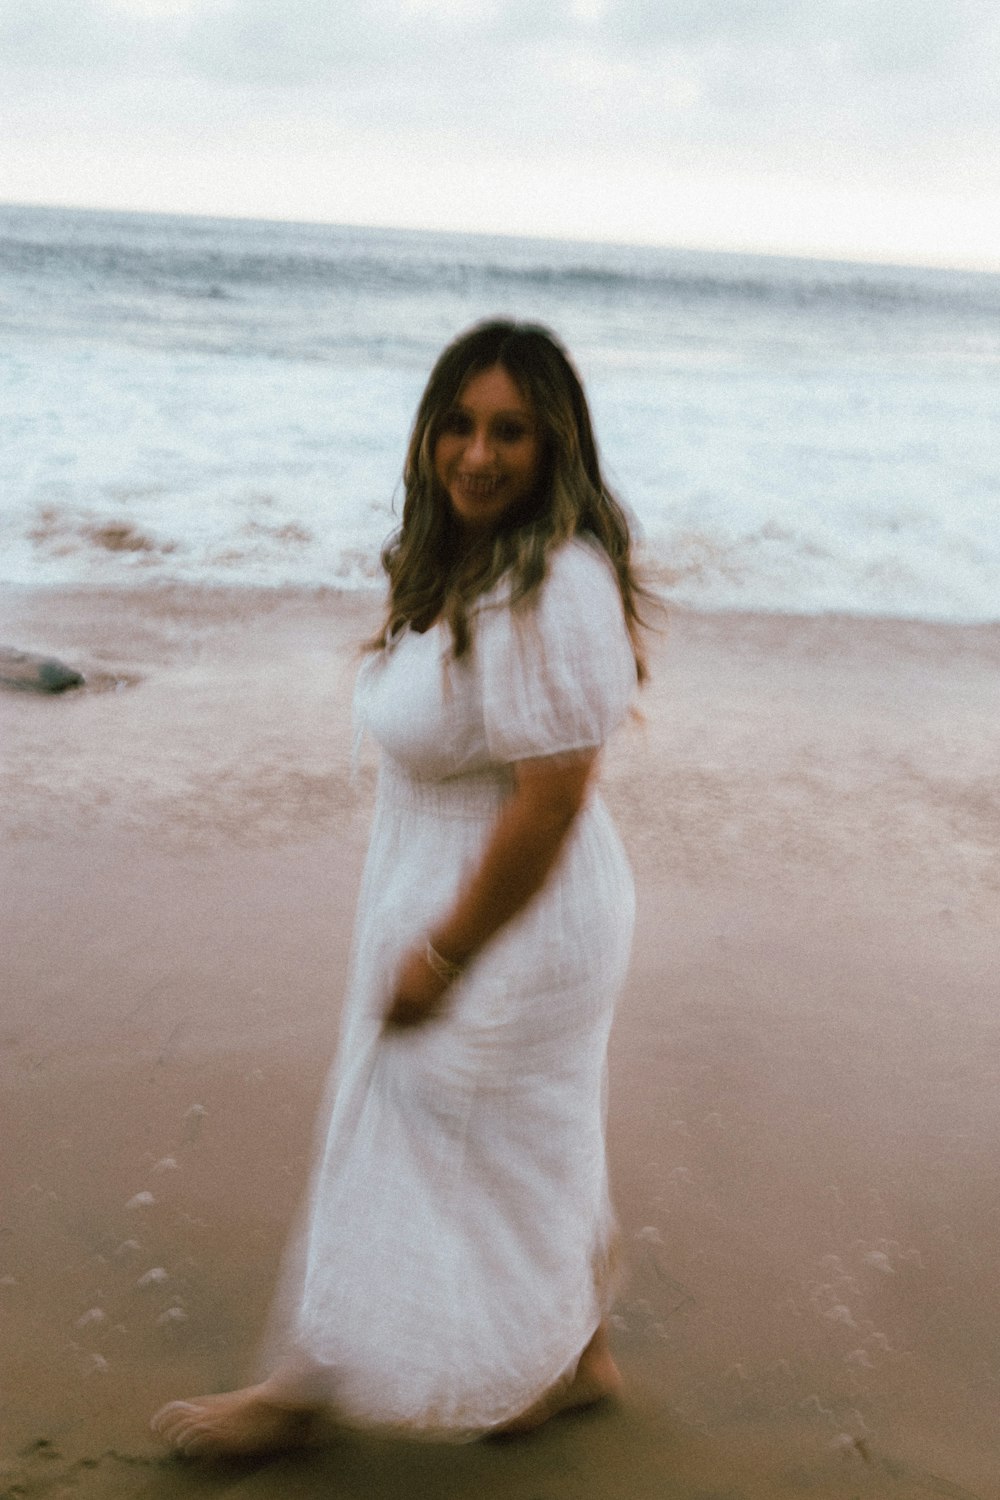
(216, 401)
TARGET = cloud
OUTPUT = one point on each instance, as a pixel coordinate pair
(862, 93)
(302, 41)
(885, 33)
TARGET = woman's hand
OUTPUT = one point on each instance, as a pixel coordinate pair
(419, 992)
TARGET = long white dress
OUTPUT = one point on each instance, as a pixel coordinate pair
(457, 1252)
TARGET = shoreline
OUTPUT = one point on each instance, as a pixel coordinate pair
(802, 1122)
(179, 591)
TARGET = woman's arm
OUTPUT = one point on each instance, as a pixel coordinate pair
(522, 849)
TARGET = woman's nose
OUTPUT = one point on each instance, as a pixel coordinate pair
(479, 449)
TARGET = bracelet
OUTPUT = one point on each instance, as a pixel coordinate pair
(442, 967)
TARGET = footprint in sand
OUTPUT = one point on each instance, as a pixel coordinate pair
(43, 1471)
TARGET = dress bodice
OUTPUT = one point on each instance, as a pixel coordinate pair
(552, 675)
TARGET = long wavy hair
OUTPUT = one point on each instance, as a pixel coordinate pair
(434, 572)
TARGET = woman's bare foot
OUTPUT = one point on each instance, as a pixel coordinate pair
(239, 1424)
(597, 1378)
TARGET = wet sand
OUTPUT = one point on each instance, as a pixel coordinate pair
(803, 1122)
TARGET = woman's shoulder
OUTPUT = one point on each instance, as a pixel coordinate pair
(578, 574)
(581, 563)
(558, 668)
(580, 587)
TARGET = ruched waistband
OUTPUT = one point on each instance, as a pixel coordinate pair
(474, 794)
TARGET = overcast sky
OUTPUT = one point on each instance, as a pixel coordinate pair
(859, 128)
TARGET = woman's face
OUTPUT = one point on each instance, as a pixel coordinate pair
(487, 455)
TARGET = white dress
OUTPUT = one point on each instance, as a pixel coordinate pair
(457, 1251)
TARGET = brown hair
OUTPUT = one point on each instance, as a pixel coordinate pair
(432, 572)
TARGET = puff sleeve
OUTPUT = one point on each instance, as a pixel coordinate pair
(558, 674)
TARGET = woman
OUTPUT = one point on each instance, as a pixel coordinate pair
(456, 1267)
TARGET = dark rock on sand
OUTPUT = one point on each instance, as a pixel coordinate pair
(39, 674)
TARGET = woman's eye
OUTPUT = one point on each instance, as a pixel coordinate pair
(455, 422)
(510, 432)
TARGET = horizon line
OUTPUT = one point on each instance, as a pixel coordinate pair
(770, 252)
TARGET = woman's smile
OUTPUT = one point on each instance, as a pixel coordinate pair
(478, 484)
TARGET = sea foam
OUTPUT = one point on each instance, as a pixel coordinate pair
(228, 402)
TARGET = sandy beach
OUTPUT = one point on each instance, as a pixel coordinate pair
(803, 1125)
